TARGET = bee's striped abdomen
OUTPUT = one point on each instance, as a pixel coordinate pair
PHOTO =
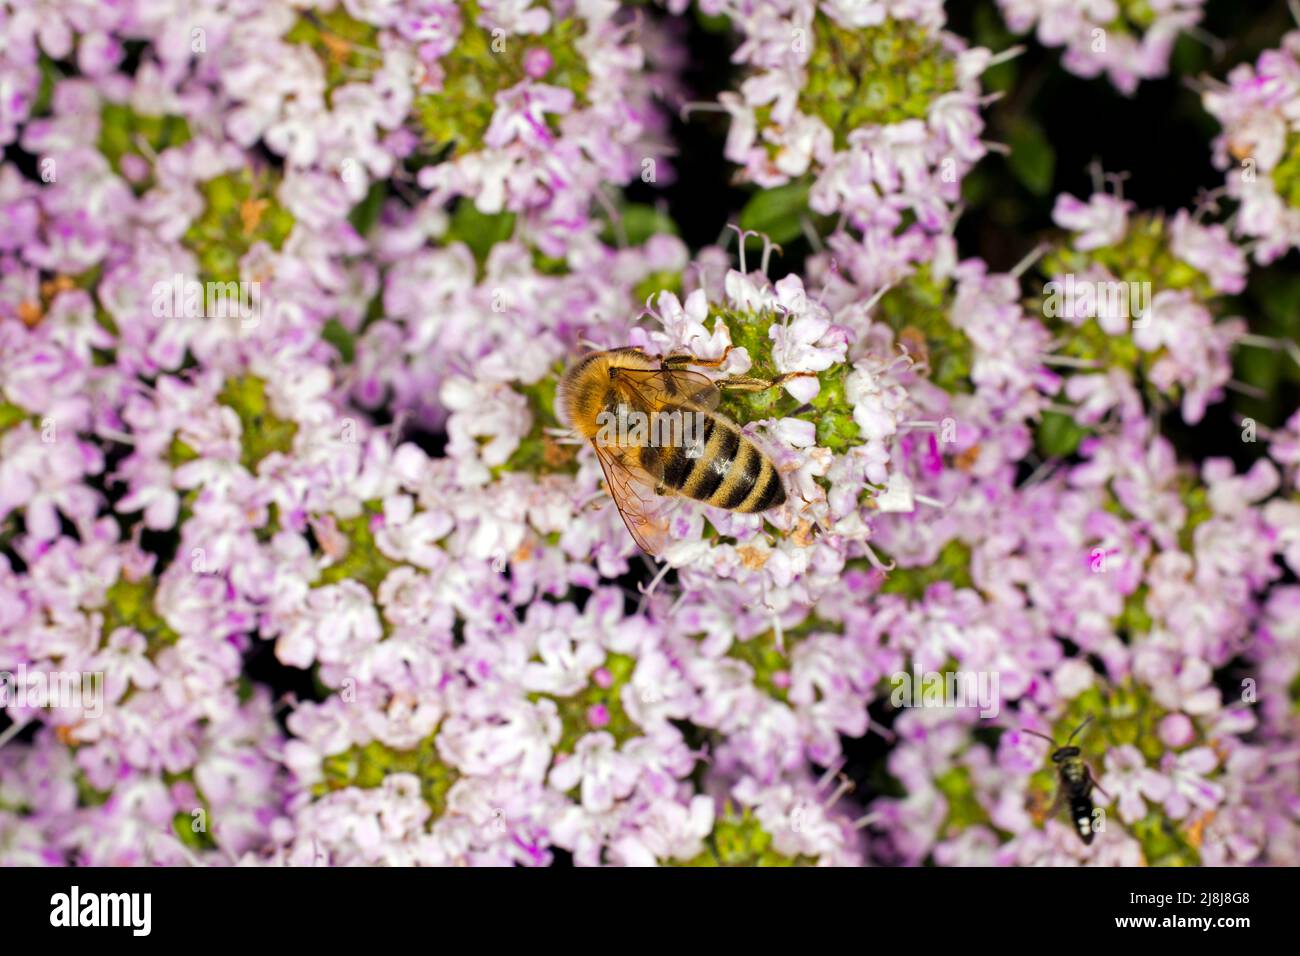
(729, 471)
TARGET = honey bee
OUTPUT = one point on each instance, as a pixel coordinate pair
(656, 430)
(1075, 783)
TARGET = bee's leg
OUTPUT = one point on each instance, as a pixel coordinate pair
(739, 383)
(683, 359)
(1056, 804)
(747, 383)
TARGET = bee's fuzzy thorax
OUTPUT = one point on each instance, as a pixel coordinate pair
(581, 394)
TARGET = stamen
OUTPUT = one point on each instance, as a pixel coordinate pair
(1268, 342)
(877, 296)
(646, 592)
(1216, 46)
(145, 147)
(881, 729)
(875, 559)
(1066, 361)
(121, 438)
(830, 774)
(905, 358)
(1260, 341)
(1034, 254)
(632, 29)
(1117, 180)
(1243, 388)
(396, 426)
(1060, 409)
(1200, 85)
(846, 786)
(10, 732)
(744, 234)
(768, 246)
(702, 273)
(615, 218)
(809, 233)
(648, 311)
(1207, 201)
(672, 610)
(1039, 474)
(1098, 176)
(1010, 53)
(406, 191)
(958, 211)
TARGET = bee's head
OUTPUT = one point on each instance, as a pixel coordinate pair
(1065, 753)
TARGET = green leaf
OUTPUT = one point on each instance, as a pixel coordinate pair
(365, 214)
(777, 212)
(480, 231)
(11, 415)
(1032, 159)
(1059, 435)
(641, 221)
(338, 336)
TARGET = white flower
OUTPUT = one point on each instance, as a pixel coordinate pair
(897, 495)
(1100, 222)
(596, 767)
(876, 402)
(486, 425)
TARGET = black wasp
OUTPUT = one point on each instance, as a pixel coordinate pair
(1074, 782)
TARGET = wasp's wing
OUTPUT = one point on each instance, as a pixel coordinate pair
(657, 387)
(631, 490)
(1057, 803)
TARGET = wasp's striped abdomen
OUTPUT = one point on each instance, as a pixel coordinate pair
(1081, 812)
(721, 467)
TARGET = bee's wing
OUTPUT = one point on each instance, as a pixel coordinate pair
(631, 488)
(657, 387)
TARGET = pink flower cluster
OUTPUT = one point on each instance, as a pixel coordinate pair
(1259, 148)
(1128, 42)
